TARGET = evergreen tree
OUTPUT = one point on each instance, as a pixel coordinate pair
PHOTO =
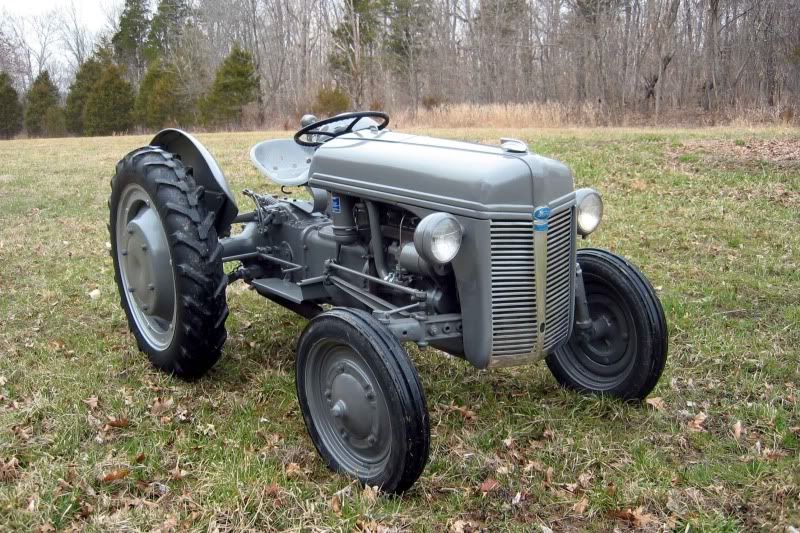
(166, 28)
(235, 85)
(355, 42)
(129, 41)
(408, 39)
(10, 108)
(87, 76)
(41, 98)
(159, 103)
(110, 104)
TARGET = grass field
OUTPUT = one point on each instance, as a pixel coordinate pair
(91, 437)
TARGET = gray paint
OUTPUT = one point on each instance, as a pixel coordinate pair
(422, 175)
(459, 177)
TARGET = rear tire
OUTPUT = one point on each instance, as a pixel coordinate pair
(628, 355)
(167, 262)
(362, 401)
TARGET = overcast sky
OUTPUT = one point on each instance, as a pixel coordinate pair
(92, 12)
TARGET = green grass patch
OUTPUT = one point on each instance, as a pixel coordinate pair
(712, 216)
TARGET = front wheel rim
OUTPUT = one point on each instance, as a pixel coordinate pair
(145, 267)
(604, 360)
(348, 408)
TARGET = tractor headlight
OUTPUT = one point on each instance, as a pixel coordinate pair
(590, 210)
(438, 238)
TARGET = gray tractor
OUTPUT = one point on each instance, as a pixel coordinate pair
(466, 248)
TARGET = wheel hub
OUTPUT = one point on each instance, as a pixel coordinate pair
(145, 266)
(148, 264)
(350, 408)
(353, 404)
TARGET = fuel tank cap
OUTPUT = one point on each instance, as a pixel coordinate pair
(514, 146)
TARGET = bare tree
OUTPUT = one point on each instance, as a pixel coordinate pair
(75, 37)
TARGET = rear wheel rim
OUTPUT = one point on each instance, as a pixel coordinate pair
(145, 267)
(604, 361)
(348, 408)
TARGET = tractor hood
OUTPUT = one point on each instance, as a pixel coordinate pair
(460, 177)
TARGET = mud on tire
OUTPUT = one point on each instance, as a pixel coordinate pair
(197, 331)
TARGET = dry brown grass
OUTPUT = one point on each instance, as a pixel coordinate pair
(588, 115)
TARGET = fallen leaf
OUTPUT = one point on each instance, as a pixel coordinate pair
(656, 403)
(517, 499)
(509, 442)
(580, 507)
(737, 430)
(115, 475)
(92, 402)
(293, 470)
(534, 465)
(169, 525)
(467, 414)
(696, 424)
(611, 489)
(140, 458)
(118, 422)
(637, 517)
(548, 476)
(585, 479)
(548, 434)
(176, 473)
(336, 504)
(161, 406)
(9, 470)
(272, 490)
(369, 494)
(638, 185)
(3, 380)
(489, 485)
(94, 294)
(464, 526)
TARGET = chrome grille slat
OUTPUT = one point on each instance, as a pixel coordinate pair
(514, 287)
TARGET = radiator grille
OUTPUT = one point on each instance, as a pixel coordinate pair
(514, 286)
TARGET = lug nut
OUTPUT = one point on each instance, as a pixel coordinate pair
(370, 396)
(124, 253)
(338, 409)
(131, 289)
(144, 247)
(372, 440)
(151, 287)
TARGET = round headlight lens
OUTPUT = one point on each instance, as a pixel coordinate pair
(590, 210)
(438, 238)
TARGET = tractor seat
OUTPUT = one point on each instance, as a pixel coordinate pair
(283, 161)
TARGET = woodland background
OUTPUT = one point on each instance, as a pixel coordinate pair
(249, 64)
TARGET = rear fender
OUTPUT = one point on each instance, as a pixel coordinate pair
(218, 197)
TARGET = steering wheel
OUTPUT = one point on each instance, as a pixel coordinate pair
(314, 129)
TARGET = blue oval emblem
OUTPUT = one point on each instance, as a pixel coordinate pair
(541, 213)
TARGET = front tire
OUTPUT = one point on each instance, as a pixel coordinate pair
(362, 401)
(167, 262)
(625, 354)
